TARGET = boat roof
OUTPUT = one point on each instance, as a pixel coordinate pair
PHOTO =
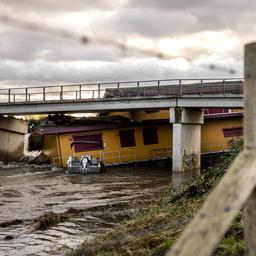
(131, 124)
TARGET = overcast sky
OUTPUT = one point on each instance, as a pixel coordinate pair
(197, 33)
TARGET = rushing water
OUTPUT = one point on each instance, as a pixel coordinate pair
(26, 193)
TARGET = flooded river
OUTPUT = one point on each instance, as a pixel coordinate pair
(26, 193)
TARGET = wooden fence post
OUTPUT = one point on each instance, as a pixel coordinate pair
(250, 141)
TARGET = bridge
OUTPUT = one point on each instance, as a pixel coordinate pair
(184, 97)
(122, 96)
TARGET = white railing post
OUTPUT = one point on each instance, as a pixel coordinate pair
(250, 141)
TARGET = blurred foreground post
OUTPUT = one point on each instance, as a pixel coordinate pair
(250, 141)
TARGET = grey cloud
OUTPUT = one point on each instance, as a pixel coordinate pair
(22, 45)
(30, 58)
(210, 15)
(41, 72)
(172, 22)
(153, 18)
(56, 5)
(150, 22)
(213, 5)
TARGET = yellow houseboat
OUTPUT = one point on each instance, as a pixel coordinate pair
(141, 136)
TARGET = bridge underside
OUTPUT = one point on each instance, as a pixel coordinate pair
(122, 104)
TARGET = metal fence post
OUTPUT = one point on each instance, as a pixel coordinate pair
(158, 87)
(180, 88)
(26, 92)
(118, 89)
(250, 141)
(80, 91)
(9, 95)
(61, 93)
(200, 87)
(223, 84)
(44, 94)
(138, 88)
(98, 90)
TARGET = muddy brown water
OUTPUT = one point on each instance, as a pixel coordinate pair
(26, 193)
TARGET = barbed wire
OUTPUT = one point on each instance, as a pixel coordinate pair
(215, 67)
(66, 34)
(83, 39)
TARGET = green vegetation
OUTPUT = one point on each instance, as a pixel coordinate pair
(154, 229)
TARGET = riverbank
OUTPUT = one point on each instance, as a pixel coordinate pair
(154, 229)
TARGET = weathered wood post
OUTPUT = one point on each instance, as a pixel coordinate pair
(250, 141)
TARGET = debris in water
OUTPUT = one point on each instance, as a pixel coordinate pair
(8, 237)
(51, 218)
(10, 223)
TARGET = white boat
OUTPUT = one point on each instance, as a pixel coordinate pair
(86, 164)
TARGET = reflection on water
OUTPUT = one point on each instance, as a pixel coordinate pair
(26, 193)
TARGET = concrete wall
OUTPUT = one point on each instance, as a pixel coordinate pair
(186, 146)
(12, 133)
(14, 125)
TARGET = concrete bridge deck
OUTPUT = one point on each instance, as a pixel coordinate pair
(121, 96)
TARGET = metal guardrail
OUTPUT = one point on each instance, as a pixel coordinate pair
(213, 147)
(129, 155)
(161, 153)
(144, 88)
(109, 158)
(121, 157)
(206, 148)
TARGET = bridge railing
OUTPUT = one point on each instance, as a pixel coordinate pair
(237, 188)
(146, 88)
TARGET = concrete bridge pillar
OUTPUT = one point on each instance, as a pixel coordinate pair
(186, 147)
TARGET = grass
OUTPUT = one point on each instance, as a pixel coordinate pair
(153, 230)
(150, 232)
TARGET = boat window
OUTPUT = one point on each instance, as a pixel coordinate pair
(233, 132)
(127, 138)
(150, 136)
(88, 147)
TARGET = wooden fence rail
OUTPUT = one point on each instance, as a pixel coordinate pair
(235, 190)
